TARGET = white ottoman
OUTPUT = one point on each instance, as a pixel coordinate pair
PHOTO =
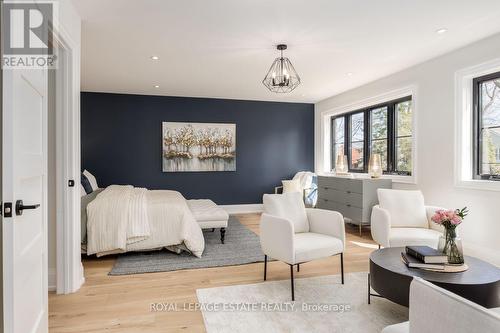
(209, 215)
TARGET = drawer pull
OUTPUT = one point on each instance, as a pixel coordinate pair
(348, 192)
(348, 205)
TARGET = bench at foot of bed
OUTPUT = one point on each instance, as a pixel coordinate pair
(209, 215)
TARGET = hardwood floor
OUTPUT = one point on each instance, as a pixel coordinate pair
(122, 303)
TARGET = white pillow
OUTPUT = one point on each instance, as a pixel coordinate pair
(289, 206)
(406, 208)
(290, 186)
(92, 180)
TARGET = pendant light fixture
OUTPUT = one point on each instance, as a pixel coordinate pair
(281, 77)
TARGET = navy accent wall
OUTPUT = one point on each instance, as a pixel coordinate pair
(122, 143)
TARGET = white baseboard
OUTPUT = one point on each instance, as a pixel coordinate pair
(52, 279)
(243, 209)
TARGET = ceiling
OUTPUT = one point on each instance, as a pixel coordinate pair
(223, 48)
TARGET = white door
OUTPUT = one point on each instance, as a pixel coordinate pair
(25, 178)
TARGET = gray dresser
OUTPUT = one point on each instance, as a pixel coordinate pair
(353, 198)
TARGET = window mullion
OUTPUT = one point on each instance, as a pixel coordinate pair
(391, 138)
(367, 136)
(332, 143)
(347, 139)
(477, 123)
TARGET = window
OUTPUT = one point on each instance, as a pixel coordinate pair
(379, 139)
(384, 129)
(356, 141)
(403, 137)
(486, 99)
(338, 129)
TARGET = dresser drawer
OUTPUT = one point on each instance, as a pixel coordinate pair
(341, 196)
(351, 212)
(342, 184)
(332, 205)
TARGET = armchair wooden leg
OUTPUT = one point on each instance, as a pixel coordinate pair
(379, 246)
(265, 267)
(291, 279)
(298, 267)
(342, 267)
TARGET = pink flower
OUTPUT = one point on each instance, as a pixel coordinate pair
(443, 216)
(456, 220)
(438, 217)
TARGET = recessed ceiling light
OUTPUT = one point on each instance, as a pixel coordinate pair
(441, 31)
(157, 86)
(349, 74)
(155, 58)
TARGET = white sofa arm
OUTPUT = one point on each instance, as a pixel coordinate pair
(380, 225)
(430, 210)
(326, 222)
(276, 238)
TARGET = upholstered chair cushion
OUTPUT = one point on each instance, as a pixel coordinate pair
(289, 206)
(406, 208)
(401, 237)
(310, 246)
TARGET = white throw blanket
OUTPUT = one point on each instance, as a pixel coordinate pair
(124, 218)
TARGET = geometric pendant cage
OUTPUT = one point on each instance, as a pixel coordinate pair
(281, 77)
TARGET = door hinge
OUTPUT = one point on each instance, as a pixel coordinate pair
(7, 209)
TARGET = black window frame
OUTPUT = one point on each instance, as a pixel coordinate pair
(477, 127)
(391, 136)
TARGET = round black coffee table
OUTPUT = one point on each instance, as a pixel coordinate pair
(391, 279)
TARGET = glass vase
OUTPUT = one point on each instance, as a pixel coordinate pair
(451, 246)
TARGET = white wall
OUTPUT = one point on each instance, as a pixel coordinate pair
(435, 82)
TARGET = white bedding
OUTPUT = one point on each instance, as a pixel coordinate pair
(123, 218)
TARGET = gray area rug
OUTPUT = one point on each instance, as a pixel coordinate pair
(322, 304)
(241, 246)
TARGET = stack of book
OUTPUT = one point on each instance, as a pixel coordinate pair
(424, 257)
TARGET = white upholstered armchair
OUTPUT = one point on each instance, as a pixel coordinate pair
(434, 309)
(291, 233)
(401, 219)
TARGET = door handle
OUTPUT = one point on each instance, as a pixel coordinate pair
(20, 207)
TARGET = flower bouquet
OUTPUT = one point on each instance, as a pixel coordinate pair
(450, 219)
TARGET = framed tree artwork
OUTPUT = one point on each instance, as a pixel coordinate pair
(191, 147)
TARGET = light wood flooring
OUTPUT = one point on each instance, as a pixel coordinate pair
(122, 303)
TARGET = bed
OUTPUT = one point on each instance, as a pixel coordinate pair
(123, 218)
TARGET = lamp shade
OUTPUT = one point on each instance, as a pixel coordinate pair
(341, 166)
(375, 166)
